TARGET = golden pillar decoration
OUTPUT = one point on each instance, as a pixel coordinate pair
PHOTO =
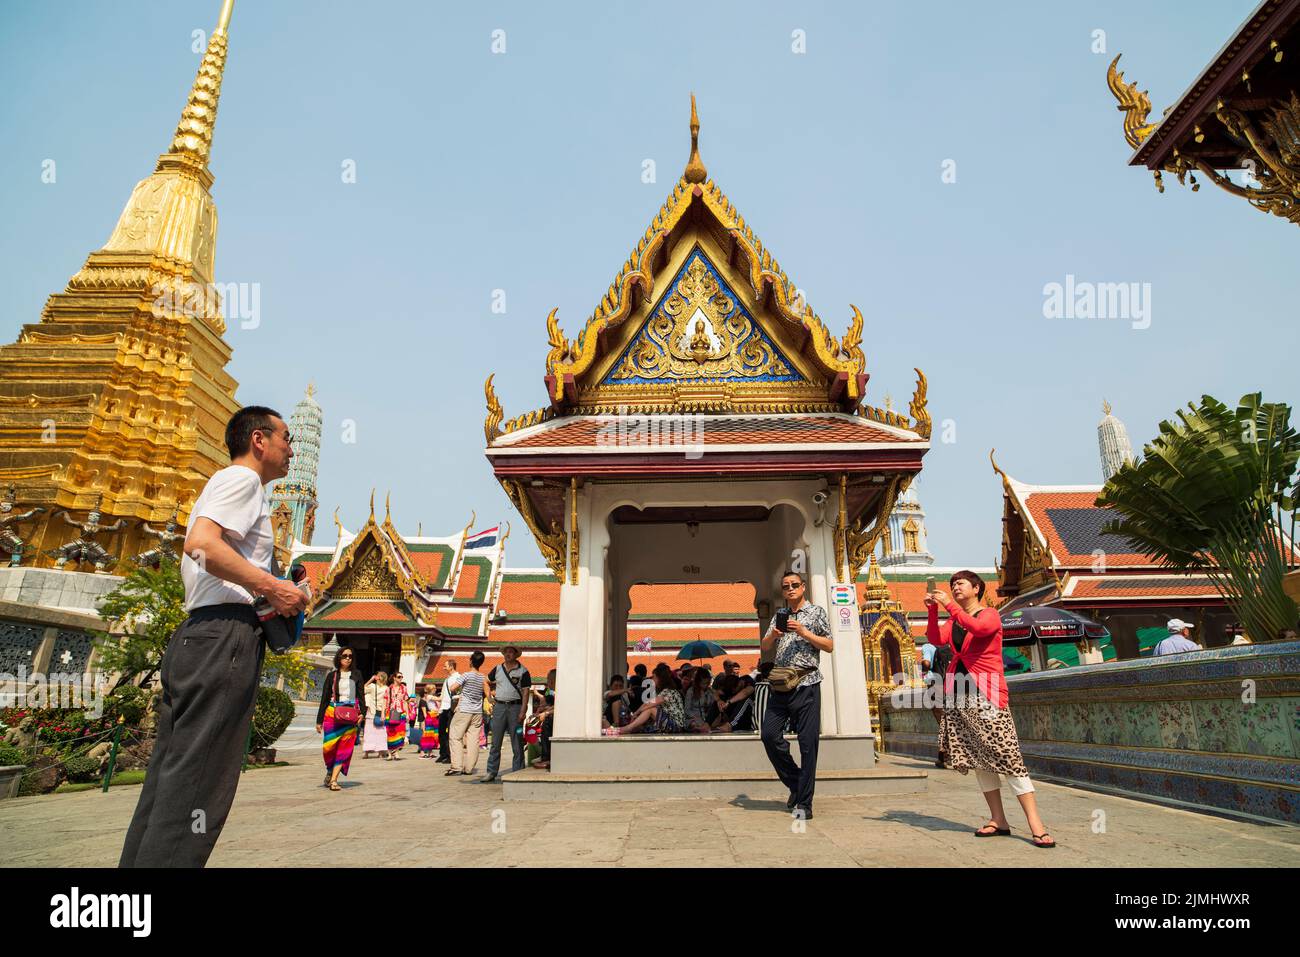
(865, 534)
(549, 543)
(573, 530)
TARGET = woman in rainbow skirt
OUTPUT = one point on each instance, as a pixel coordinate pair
(428, 716)
(395, 715)
(340, 700)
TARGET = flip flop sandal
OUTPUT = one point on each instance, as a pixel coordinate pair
(1039, 842)
(334, 786)
(996, 832)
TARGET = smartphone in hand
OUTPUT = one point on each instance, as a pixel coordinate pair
(781, 620)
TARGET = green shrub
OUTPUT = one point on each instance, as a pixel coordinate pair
(81, 768)
(9, 755)
(271, 716)
(128, 702)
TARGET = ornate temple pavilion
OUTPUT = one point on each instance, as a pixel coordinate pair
(113, 406)
(703, 426)
(1240, 114)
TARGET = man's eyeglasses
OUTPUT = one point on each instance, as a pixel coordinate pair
(791, 586)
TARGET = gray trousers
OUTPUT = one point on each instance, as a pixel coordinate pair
(505, 717)
(210, 674)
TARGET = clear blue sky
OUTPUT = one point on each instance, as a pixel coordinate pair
(522, 172)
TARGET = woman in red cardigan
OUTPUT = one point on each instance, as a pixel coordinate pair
(976, 731)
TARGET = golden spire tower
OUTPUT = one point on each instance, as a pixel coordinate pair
(120, 389)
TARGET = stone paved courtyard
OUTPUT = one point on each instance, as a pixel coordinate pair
(408, 812)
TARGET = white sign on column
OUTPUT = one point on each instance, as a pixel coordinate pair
(850, 671)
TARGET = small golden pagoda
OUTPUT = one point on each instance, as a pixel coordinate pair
(887, 645)
(117, 399)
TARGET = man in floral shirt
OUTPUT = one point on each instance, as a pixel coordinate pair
(807, 634)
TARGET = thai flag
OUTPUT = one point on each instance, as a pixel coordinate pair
(483, 539)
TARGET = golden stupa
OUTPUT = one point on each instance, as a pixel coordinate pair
(116, 401)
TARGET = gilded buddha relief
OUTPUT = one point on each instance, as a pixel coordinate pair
(700, 331)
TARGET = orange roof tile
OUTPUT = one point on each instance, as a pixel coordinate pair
(1172, 586)
(456, 619)
(315, 572)
(722, 430)
(678, 636)
(705, 598)
(365, 611)
(529, 597)
(428, 563)
(467, 587)
(1047, 508)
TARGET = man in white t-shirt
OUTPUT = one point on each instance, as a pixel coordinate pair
(213, 662)
(444, 717)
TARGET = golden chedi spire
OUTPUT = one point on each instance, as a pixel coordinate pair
(120, 391)
(193, 140)
(695, 171)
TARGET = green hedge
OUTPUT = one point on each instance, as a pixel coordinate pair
(128, 702)
(271, 716)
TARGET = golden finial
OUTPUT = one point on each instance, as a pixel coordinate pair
(337, 524)
(917, 409)
(1006, 481)
(695, 171)
(1133, 103)
(492, 424)
(1105, 407)
(388, 516)
(372, 505)
(192, 141)
(311, 389)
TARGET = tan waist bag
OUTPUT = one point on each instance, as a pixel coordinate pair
(786, 679)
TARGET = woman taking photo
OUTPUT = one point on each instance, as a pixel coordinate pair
(374, 737)
(666, 709)
(977, 732)
(339, 716)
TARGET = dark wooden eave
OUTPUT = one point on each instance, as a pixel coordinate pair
(1246, 50)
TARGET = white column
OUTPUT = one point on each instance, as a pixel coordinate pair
(580, 649)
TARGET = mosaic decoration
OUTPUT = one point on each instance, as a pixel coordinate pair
(700, 332)
(1178, 730)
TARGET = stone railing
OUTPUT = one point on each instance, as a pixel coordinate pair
(1214, 730)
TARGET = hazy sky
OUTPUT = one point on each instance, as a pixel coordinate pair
(522, 171)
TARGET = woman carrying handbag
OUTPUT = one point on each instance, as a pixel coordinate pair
(395, 716)
(374, 737)
(341, 712)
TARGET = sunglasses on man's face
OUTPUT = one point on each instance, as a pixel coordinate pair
(791, 586)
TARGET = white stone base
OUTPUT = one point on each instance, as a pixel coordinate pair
(52, 588)
(699, 754)
(762, 786)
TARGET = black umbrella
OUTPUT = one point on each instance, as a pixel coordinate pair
(1050, 625)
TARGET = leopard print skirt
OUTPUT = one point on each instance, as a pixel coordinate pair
(980, 738)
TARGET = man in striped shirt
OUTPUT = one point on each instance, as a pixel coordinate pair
(468, 722)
